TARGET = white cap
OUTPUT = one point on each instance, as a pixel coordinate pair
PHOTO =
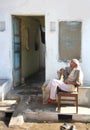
(76, 61)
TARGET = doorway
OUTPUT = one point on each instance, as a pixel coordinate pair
(28, 47)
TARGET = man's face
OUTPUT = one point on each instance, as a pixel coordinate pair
(73, 64)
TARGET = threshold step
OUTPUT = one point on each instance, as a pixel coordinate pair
(8, 105)
(7, 102)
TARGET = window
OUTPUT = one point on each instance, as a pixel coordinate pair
(69, 40)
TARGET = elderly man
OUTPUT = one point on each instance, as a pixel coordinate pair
(72, 76)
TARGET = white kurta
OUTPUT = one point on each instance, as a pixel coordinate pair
(52, 86)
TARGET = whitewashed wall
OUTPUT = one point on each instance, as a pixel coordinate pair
(54, 10)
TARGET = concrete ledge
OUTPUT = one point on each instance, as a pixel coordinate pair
(81, 118)
(17, 117)
(41, 116)
(8, 106)
(84, 96)
(16, 121)
(52, 116)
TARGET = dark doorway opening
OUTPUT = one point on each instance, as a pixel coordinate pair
(8, 116)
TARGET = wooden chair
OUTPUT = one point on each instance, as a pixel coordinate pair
(73, 97)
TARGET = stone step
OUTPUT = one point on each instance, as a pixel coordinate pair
(82, 116)
(8, 103)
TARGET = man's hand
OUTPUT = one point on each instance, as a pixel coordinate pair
(62, 71)
(67, 82)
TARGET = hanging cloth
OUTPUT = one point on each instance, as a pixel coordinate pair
(42, 29)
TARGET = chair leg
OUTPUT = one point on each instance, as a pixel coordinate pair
(59, 102)
(77, 104)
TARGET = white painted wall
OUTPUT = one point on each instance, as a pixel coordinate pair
(54, 10)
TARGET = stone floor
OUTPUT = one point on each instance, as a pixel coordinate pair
(32, 107)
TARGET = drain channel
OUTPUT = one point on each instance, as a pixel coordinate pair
(63, 117)
(8, 116)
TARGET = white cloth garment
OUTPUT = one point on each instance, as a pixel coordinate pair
(52, 86)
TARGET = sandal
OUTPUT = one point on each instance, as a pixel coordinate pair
(49, 101)
(73, 127)
(65, 126)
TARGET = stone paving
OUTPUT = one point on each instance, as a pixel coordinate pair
(31, 107)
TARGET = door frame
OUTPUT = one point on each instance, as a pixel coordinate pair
(15, 51)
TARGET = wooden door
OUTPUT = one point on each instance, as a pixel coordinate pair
(16, 51)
